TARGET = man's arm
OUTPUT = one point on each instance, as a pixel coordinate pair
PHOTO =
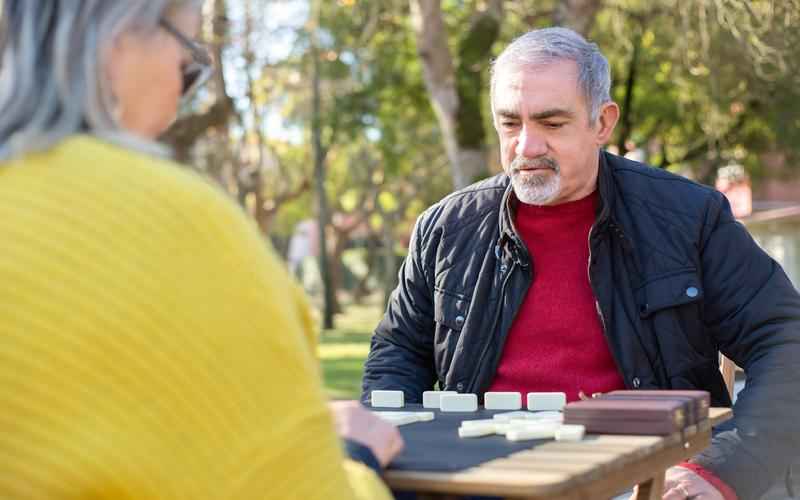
(753, 312)
(401, 354)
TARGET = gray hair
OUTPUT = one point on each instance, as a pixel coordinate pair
(52, 81)
(545, 46)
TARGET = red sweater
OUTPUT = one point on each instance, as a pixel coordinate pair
(556, 342)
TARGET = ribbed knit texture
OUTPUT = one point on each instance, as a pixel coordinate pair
(556, 342)
(151, 345)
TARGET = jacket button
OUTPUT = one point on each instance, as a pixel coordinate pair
(636, 382)
(691, 292)
(459, 320)
(460, 386)
(503, 268)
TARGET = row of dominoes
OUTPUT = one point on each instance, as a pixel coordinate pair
(453, 401)
(521, 429)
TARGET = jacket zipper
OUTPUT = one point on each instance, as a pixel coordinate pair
(600, 309)
(499, 308)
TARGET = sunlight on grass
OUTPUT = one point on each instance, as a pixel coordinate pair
(337, 351)
(342, 350)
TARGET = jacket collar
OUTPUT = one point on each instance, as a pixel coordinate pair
(606, 190)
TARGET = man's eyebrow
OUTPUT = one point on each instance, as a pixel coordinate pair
(507, 113)
(552, 113)
(539, 115)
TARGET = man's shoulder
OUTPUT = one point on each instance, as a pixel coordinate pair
(645, 185)
(470, 202)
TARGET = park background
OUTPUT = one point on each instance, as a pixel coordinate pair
(335, 123)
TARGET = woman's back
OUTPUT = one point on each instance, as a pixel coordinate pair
(151, 346)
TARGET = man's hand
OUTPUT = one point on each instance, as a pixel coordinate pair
(682, 484)
(355, 422)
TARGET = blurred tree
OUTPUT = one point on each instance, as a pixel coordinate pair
(402, 113)
(703, 82)
(222, 131)
(455, 84)
(578, 15)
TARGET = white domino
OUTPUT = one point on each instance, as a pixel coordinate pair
(459, 402)
(570, 433)
(405, 417)
(546, 401)
(512, 415)
(424, 416)
(533, 424)
(501, 428)
(526, 433)
(477, 423)
(387, 399)
(477, 431)
(431, 399)
(502, 400)
(555, 416)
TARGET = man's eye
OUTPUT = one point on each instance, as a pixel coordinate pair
(553, 125)
(509, 124)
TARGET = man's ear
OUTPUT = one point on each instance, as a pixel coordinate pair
(606, 121)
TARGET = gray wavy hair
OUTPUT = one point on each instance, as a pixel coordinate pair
(544, 46)
(52, 82)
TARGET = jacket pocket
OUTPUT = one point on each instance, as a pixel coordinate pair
(669, 290)
(450, 314)
(450, 309)
(670, 307)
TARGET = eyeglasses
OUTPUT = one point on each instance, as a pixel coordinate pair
(197, 72)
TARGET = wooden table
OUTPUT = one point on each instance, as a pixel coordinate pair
(600, 466)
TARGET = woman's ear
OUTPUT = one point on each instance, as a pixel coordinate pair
(606, 121)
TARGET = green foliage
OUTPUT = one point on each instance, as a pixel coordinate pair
(716, 81)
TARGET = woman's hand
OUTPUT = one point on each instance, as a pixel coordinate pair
(356, 423)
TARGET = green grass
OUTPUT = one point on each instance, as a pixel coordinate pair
(342, 351)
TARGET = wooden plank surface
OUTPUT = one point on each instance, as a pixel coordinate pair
(719, 415)
(598, 466)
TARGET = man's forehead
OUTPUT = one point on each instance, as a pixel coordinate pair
(515, 82)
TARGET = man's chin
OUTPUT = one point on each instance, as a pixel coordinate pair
(538, 195)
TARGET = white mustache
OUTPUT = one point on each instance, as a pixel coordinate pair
(543, 162)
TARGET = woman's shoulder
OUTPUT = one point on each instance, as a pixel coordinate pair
(90, 171)
(136, 170)
(89, 186)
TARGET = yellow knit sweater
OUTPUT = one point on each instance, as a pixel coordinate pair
(151, 345)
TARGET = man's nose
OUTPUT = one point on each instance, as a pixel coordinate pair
(530, 144)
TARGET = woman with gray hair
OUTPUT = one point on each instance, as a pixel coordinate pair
(151, 345)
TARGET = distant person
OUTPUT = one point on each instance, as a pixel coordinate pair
(580, 271)
(151, 347)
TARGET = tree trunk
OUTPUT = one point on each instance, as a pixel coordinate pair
(371, 259)
(578, 15)
(626, 121)
(455, 89)
(341, 239)
(389, 258)
(319, 177)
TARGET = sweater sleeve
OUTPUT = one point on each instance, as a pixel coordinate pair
(154, 347)
(267, 312)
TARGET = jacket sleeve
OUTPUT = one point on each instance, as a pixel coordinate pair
(401, 354)
(753, 311)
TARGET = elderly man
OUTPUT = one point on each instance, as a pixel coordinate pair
(580, 271)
